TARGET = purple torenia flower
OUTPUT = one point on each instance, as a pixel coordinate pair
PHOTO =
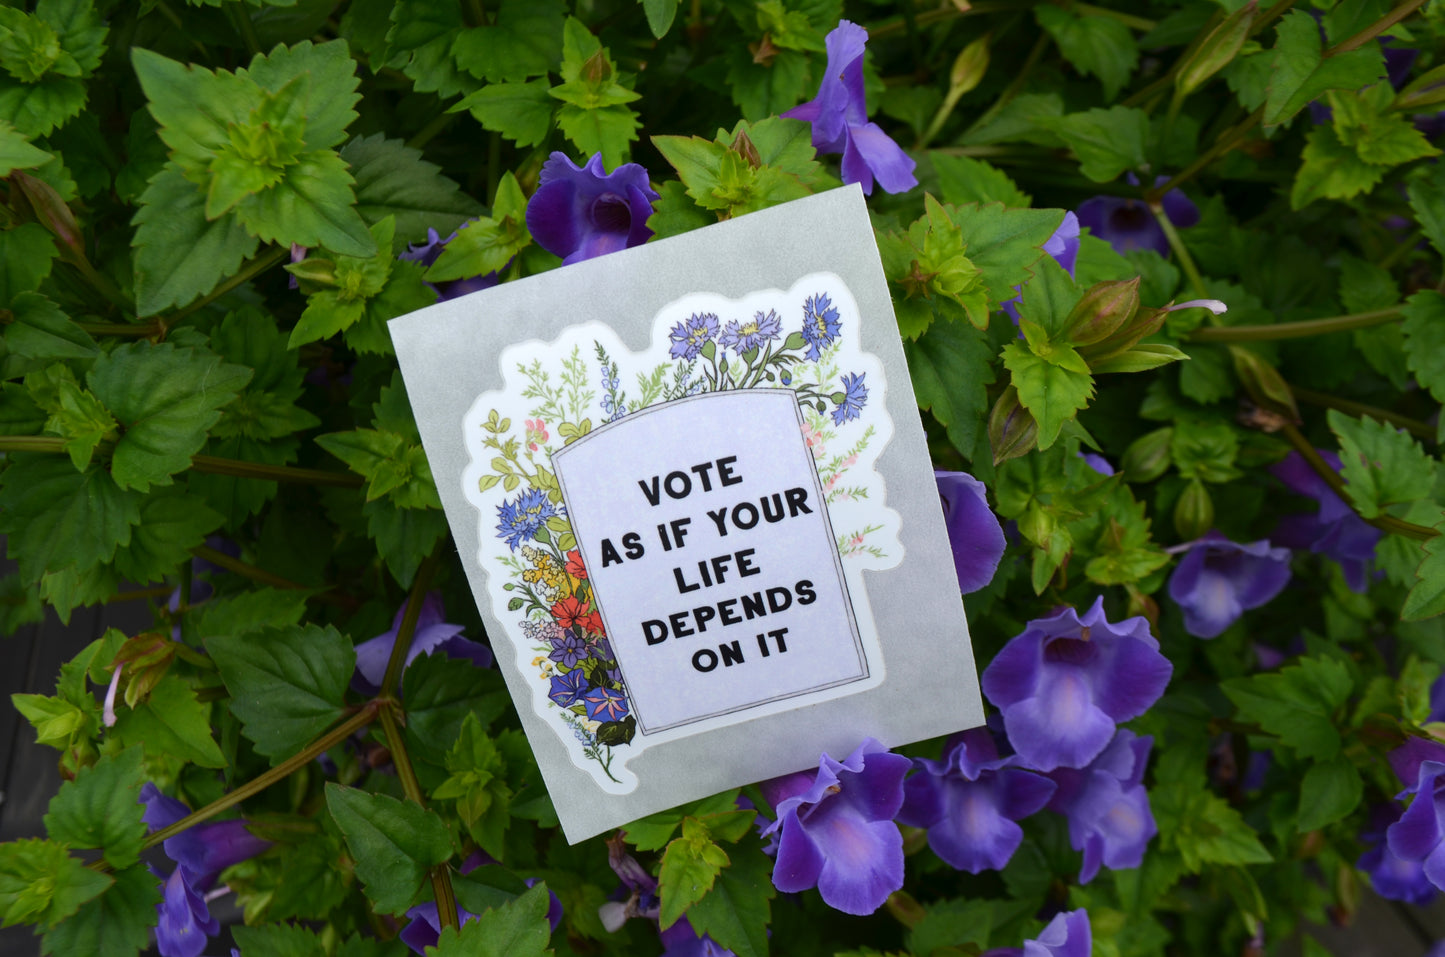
(1219, 579)
(1393, 877)
(580, 212)
(839, 114)
(744, 337)
(820, 325)
(1107, 805)
(1066, 680)
(1335, 531)
(855, 394)
(970, 800)
(1098, 463)
(1418, 834)
(1063, 246)
(432, 634)
(973, 531)
(1127, 224)
(203, 851)
(1067, 935)
(689, 336)
(681, 940)
(429, 252)
(184, 925)
(836, 831)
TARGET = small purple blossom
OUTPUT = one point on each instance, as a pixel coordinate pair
(1335, 531)
(432, 634)
(681, 940)
(746, 336)
(1067, 935)
(429, 252)
(835, 830)
(974, 533)
(969, 801)
(568, 650)
(184, 925)
(854, 395)
(1063, 247)
(839, 115)
(1419, 834)
(821, 325)
(1107, 805)
(580, 212)
(1064, 683)
(640, 886)
(568, 689)
(1218, 580)
(689, 336)
(1098, 463)
(605, 704)
(1127, 224)
(1393, 877)
(519, 521)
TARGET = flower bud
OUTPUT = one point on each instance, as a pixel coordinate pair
(1105, 308)
(1264, 383)
(50, 211)
(1427, 91)
(1216, 50)
(1147, 457)
(1012, 430)
(969, 67)
(1194, 512)
(313, 273)
(1145, 322)
(744, 147)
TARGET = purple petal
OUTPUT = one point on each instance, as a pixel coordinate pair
(1125, 224)
(1180, 209)
(161, 811)
(185, 924)
(1060, 726)
(974, 532)
(872, 153)
(799, 862)
(864, 863)
(1063, 245)
(1067, 935)
(581, 212)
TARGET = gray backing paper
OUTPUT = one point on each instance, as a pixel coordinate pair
(460, 361)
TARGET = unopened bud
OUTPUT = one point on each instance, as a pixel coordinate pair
(743, 146)
(969, 67)
(905, 909)
(1427, 91)
(1264, 383)
(313, 273)
(51, 211)
(1194, 512)
(1105, 308)
(1216, 50)
(1012, 430)
(1147, 457)
(1145, 323)
(596, 69)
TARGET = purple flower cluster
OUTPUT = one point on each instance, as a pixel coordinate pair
(201, 853)
(1107, 805)
(1219, 579)
(839, 114)
(1335, 531)
(1127, 224)
(580, 212)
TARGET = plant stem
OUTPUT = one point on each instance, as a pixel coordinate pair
(258, 784)
(1128, 19)
(1414, 426)
(1386, 523)
(276, 473)
(101, 283)
(1186, 261)
(242, 568)
(248, 272)
(1227, 141)
(407, 630)
(938, 16)
(441, 880)
(1295, 330)
(1376, 28)
(242, 22)
(141, 330)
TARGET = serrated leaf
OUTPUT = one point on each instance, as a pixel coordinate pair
(736, 912)
(1329, 791)
(1053, 391)
(179, 254)
(690, 866)
(40, 883)
(1424, 329)
(279, 940)
(40, 330)
(951, 367)
(16, 153)
(55, 516)
(523, 38)
(1381, 466)
(420, 41)
(1301, 73)
(1296, 704)
(287, 685)
(36, 109)
(522, 112)
(763, 90)
(963, 179)
(607, 130)
(439, 694)
(100, 808)
(392, 179)
(116, 924)
(172, 721)
(1203, 828)
(394, 843)
(1006, 244)
(1427, 596)
(487, 245)
(166, 399)
(1331, 170)
(1095, 45)
(404, 536)
(82, 421)
(330, 91)
(515, 929)
(312, 206)
(26, 255)
(1107, 142)
(55, 720)
(1427, 199)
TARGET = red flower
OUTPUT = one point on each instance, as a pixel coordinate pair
(575, 568)
(569, 611)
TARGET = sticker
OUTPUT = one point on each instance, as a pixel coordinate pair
(691, 492)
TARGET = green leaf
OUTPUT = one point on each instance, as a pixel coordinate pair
(1005, 244)
(1363, 122)
(1296, 704)
(440, 693)
(312, 206)
(1331, 170)
(606, 130)
(55, 720)
(1424, 328)
(951, 368)
(392, 179)
(404, 536)
(1301, 73)
(420, 41)
(40, 883)
(522, 112)
(329, 95)
(1427, 595)
(1203, 828)
(675, 213)
(394, 843)
(763, 90)
(1107, 142)
(26, 255)
(660, 14)
(1095, 45)
(101, 808)
(166, 399)
(16, 153)
(517, 929)
(172, 721)
(116, 924)
(287, 685)
(690, 866)
(487, 245)
(57, 517)
(482, 782)
(279, 940)
(963, 179)
(179, 254)
(36, 109)
(523, 38)
(736, 912)
(1054, 389)
(951, 923)
(1381, 466)
(81, 421)
(1329, 791)
(391, 465)
(1427, 199)
(39, 330)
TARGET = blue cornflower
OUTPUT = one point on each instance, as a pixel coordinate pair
(744, 337)
(568, 688)
(820, 325)
(568, 650)
(854, 396)
(689, 336)
(521, 519)
(604, 704)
